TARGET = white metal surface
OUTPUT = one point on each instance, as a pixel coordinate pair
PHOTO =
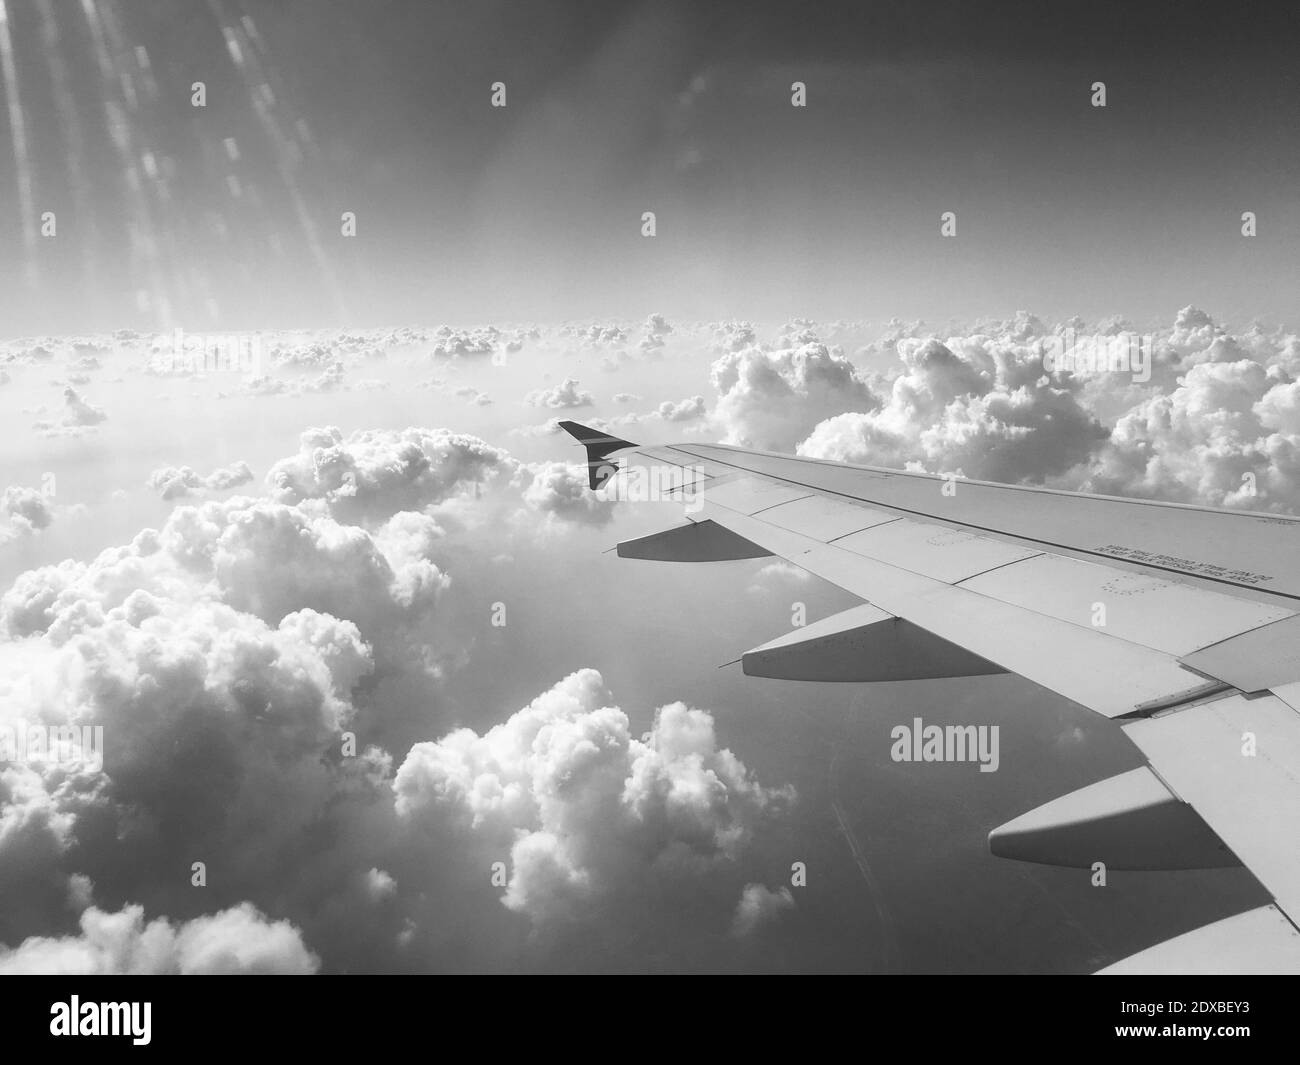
(1258, 941)
(1251, 800)
(1263, 658)
(947, 555)
(1139, 607)
(751, 494)
(1104, 674)
(824, 518)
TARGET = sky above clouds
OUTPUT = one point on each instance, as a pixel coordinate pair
(344, 606)
(228, 216)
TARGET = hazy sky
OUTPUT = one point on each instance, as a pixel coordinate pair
(228, 216)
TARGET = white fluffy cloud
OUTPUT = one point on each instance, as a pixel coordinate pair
(654, 331)
(78, 417)
(773, 399)
(23, 511)
(564, 396)
(976, 405)
(79, 412)
(470, 343)
(685, 411)
(596, 335)
(225, 656)
(758, 906)
(178, 482)
(560, 492)
(240, 940)
(374, 474)
(1214, 421)
(1226, 435)
(585, 809)
(229, 654)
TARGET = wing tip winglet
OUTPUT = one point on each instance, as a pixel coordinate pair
(599, 445)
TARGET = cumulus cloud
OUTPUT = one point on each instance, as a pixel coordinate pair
(564, 396)
(473, 395)
(586, 810)
(1208, 417)
(470, 343)
(560, 491)
(78, 416)
(380, 885)
(370, 476)
(685, 411)
(759, 905)
(234, 655)
(550, 427)
(374, 474)
(978, 405)
(226, 655)
(23, 511)
(332, 379)
(1227, 435)
(79, 412)
(773, 399)
(732, 336)
(653, 332)
(178, 482)
(595, 335)
(239, 940)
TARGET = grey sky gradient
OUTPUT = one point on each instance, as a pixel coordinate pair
(468, 213)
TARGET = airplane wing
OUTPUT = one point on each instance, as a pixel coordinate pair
(1181, 623)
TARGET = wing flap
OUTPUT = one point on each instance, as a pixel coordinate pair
(1259, 941)
(1237, 760)
(1264, 658)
